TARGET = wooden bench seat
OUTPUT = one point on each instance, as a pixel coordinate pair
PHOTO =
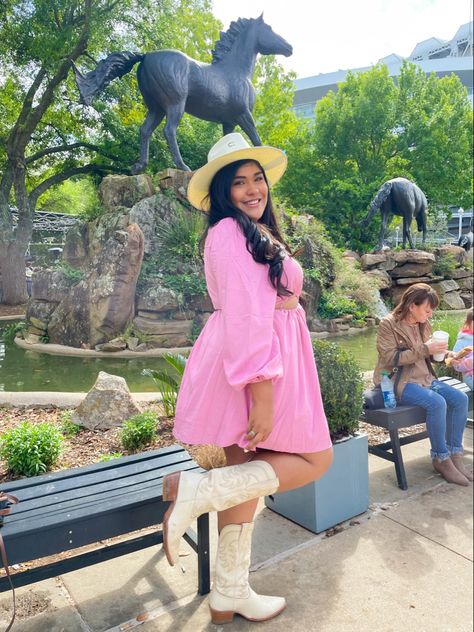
(68, 509)
(392, 419)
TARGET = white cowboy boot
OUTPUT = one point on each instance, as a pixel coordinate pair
(231, 593)
(193, 494)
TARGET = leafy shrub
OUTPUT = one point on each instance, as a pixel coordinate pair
(180, 238)
(138, 431)
(167, 384)
(341, 387)
(110, 457)
(12, 330)
(73, 275)
(303, 230)
(445, 265)
(30, 449)
(68, 428)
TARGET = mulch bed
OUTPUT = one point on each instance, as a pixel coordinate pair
(12, 310)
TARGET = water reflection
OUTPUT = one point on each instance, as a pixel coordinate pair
(22, 370)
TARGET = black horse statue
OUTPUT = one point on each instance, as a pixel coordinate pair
(172, 83)
(399, 196)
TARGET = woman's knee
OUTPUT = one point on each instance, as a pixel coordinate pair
(320, 461)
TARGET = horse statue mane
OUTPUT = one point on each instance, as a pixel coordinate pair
(227, 38)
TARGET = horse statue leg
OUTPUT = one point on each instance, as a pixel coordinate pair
(174, 114)
(227, 128)
(246, 122)
(407, 232)
(151, 122)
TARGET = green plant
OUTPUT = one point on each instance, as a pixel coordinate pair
(68, 428)
(168, 385)
(180, 238)
(30, 449)
(445, 265)
(110, 457)
(72, 274)
(11, 331)
(446, 323)
(138, 431)
(44, 339)
(342, 387)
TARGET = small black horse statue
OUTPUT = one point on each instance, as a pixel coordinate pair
(403, 197)
(172, 83)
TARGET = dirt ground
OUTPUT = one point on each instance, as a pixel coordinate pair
(12, 310)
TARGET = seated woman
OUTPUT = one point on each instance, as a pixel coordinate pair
(407, 331)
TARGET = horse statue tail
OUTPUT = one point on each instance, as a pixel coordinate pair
(108, 69)
(379, 199)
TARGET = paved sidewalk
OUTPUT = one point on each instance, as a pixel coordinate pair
(406, 563)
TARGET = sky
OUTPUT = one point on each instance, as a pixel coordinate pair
(341, 34)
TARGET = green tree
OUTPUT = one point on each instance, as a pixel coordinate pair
(276, 123)
(46, 137)
(372, 130)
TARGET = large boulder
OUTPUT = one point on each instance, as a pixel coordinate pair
(467, 298)
(413, 256)
(39, 311)
(76, 246)
(50, 285)
(443, 287)
(100, 307)
(369, 260)
(412, 270)
(451, 300)
(411, 280)
(156, 298)
(458, 253)
(466, 283)
(121, 190)
(164, 333)
(106, 405)
(383, 278)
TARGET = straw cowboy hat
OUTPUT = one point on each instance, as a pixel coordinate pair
(228, 149)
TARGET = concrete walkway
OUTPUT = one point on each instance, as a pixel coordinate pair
(405, 564)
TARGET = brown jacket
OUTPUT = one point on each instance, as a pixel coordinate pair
(392, 337)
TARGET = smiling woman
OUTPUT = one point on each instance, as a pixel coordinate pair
(249, 190)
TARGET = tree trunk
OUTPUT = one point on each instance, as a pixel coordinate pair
(13, 268)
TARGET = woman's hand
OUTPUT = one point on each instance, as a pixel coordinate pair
(436, 346)
(260, 422)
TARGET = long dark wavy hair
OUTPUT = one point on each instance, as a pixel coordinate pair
(264, 239)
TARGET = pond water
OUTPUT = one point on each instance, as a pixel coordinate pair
(22, 370)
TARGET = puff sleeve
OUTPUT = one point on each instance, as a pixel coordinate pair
(246, 298)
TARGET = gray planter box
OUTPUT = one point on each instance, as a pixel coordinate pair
(343, 492)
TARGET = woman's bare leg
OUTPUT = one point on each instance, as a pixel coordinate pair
(292, 470)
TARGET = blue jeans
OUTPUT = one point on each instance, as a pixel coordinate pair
(446, 415)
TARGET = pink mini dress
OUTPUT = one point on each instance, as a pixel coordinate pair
(247, 340)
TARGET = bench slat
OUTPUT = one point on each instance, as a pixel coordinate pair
(43, 486)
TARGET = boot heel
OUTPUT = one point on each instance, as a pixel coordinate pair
(170, 486)
(219, 617)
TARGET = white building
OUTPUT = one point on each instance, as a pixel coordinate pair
(432, 55)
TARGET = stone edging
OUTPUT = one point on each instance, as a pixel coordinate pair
(13, 317)
(91, 353)
(58, 399)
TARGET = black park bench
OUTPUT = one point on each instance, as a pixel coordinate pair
(392, 419)
(71, 508)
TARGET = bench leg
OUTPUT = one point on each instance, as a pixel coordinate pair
(398, 458)
(204, 577)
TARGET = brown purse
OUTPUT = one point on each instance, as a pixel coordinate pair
(5, 501)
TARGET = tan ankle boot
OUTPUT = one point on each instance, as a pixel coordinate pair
(193, 494)
(459, 465)
(449, 472)
(231, 593)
